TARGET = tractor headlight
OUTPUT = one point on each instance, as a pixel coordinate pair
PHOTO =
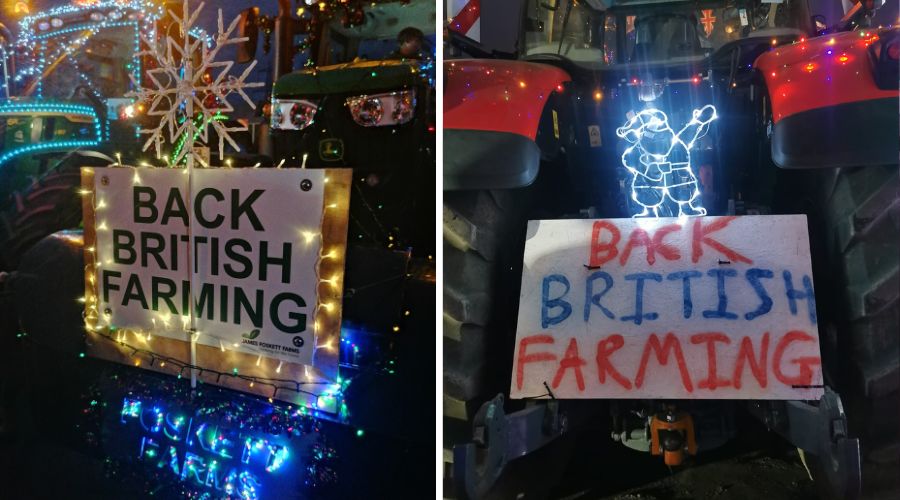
(380, 110)
(293, 114)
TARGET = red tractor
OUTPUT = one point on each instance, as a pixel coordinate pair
(538, 102)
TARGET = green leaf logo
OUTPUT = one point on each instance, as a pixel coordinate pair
(252, 335)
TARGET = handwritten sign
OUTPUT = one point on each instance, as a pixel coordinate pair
(677, 308)
(245, 264)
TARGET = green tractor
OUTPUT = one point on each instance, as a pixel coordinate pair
(66, 75)
(368, 106)
(368, 110)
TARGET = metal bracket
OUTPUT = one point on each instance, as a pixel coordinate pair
(500, 438)
(820, 430)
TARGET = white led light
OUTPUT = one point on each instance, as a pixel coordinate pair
(659, 160)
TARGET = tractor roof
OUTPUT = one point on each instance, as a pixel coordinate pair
(385, 20)
(361, 76)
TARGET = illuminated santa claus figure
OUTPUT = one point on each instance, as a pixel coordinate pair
(664, 183)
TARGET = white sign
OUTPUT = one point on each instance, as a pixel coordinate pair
(672, 308)
(253, 236)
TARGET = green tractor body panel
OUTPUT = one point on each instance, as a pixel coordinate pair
(31, 128)
(360, 77)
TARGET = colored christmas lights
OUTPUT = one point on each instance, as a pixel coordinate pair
(146, 8)
(188, 443)
(51, 108)
(140, 15)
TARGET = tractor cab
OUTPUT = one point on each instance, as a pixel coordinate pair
(629, 58)
(67, 73)
(369, 107)
(366, 102)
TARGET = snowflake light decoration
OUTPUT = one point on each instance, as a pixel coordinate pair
(181, 90)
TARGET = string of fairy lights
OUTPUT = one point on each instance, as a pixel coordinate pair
(14, 108)
(294, 432)
(140, 15)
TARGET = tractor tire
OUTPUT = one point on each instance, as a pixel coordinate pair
(484, 234)
(48, 205)
(861, 222)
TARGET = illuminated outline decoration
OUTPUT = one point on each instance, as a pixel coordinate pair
(139, 14)
(51, 108)
(660, 161)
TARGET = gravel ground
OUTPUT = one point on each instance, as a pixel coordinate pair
(755, 464)
(751, 475)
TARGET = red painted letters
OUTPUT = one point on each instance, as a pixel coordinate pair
(604, 251)
(757, 365)
(670, 343)
(711, 381)
(570, 361)
(605, 348)
(532, 358)
(717, 346)
(701, 233)
(804, 374)
(640, 238)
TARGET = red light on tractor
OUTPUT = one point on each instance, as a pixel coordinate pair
(773, 74)
(559, 88)
(695, 80)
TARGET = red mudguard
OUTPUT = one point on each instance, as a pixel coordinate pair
(821, 72)
(498, 95)
(492, 117)
(827, 107)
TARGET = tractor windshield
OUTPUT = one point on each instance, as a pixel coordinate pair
(378, 37)
(640, 32)
(102, 63)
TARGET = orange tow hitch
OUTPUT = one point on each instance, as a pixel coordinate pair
(672, 435)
